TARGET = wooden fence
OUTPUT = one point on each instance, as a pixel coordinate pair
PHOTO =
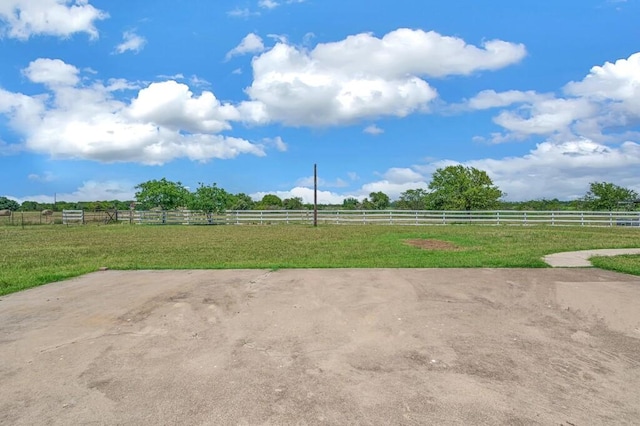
(386, 217)
(422, 217)
(333, 217)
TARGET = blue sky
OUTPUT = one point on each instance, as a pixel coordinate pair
(97, 96)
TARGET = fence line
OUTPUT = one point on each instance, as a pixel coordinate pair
(436, 217)
(386, 217)
(333, 217)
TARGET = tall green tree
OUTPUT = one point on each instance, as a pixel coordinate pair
(413, 199)
(379, 200)
(162, 193)
(607, 196)
(462, 188)
(210, 199)
(294, 203)
(270, 202)
(350, 203)
(8, 204)
(241, 201)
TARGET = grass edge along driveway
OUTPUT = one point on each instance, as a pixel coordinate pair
(41, 254)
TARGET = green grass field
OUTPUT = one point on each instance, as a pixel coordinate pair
(40, 254)
(627, 264)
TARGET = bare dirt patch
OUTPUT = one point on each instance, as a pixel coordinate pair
(337, 346)
(426, 244)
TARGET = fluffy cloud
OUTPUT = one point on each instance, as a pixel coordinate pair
(25, 18)
(607, 98)
(252, 43)
(172, 105)
(52, 72)
(619, 81)
(364, 76)
(563, 170)
(164, 120)
(131, 42)
(416, 52)
(398, 175)
(546, 116)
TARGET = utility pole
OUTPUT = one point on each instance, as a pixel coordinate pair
(315, 195)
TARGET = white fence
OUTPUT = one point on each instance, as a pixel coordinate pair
(384, 217)
(422, 217)
(72, 216)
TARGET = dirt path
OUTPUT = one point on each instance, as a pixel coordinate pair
(387, 346)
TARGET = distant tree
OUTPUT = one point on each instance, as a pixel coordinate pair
(60, 205)
(8, 204)
(121, 205)
(413, 199)
(350, 203)
(162, 193)
(607, 196)
(29, 206)
(270, 202)
(379, 200)
(241, 201)
(209, 198)
(462, 188)
(294, 203)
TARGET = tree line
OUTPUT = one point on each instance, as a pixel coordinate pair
(451, 188)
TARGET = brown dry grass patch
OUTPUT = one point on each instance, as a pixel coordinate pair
(432, 244)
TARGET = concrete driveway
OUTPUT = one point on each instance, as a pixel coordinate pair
(382, 346)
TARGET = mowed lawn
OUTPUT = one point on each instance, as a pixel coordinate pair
(40, 254)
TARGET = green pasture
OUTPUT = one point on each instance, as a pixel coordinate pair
(36, 255)
(627, 264)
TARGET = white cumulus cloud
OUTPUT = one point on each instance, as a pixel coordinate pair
(251, 43)
(23, 19)
(563, 170)
(365, 76)
(162, 122)
(52, 72)
(600, 107)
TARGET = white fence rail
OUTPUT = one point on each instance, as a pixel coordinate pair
(385, 217)
(422, 217)
(72, 216)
